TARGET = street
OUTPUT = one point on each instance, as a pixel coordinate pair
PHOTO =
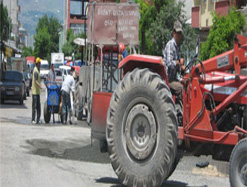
(34, 155)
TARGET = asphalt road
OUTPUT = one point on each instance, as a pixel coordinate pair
(64, 155)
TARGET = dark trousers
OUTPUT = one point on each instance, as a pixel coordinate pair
(66, 106)
(176, 88)
(36, 106)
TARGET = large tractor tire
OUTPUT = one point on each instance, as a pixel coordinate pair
(47, 114)
(238, 165)
(142, 129)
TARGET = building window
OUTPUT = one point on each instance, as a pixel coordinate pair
(75, 8)
(77, 28)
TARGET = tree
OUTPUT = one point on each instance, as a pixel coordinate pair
(27, 51)
(42, 43)
(70, 47)
(5, 26)
(160, 31)
(5, 22)
(220, 38)
(50, 27)
(149, 11)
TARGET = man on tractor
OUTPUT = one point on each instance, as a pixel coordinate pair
(172, 60)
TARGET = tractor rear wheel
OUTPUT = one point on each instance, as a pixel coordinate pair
(238, 164)
(142, 129)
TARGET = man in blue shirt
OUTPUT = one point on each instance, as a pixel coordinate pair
(172, 60)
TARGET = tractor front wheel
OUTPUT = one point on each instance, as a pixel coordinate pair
(142, 129)
(238, 164)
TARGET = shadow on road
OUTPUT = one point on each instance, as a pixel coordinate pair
(12, 104)
(116, 183)
(174, 184)
(70, 150)
(109, 180)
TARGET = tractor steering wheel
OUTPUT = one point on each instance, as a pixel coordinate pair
(193, 62)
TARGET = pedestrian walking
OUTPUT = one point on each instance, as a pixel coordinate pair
(36, 89)
(68, 86)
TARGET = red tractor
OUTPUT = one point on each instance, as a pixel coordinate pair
(145, 124)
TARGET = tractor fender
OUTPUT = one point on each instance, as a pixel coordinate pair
(154, 63)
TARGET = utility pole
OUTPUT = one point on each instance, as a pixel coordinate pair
(1, 19)
(84, 17)
(9, 27)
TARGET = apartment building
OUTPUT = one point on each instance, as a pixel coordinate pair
(201, 16)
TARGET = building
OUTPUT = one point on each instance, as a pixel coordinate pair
(14, 10)
(22, 37)
(201, 12)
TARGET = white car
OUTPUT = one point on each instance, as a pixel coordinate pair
(59, 78)
(65, 70)
(44, 69)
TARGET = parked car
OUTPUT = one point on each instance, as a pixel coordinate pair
(27, 80)
(12, 86)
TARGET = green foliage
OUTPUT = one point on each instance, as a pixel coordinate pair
(27, 51)
(42, 43)
(221, 34)
(160, 31)
(5, 22)
(70, 47)
(149, 11)
(47, 27)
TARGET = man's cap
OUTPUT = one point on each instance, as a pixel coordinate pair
(177, 26)
(38, 60)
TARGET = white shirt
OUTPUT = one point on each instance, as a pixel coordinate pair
(52, 75)
(68, 84)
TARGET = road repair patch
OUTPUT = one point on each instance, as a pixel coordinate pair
(70, 149)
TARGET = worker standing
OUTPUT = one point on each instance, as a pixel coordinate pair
(67, 87)
(51, 75)
(172, 60)
(36, 89)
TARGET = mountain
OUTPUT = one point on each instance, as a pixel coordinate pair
(32, 10)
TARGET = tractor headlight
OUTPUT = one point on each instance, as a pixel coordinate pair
(17, 89)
